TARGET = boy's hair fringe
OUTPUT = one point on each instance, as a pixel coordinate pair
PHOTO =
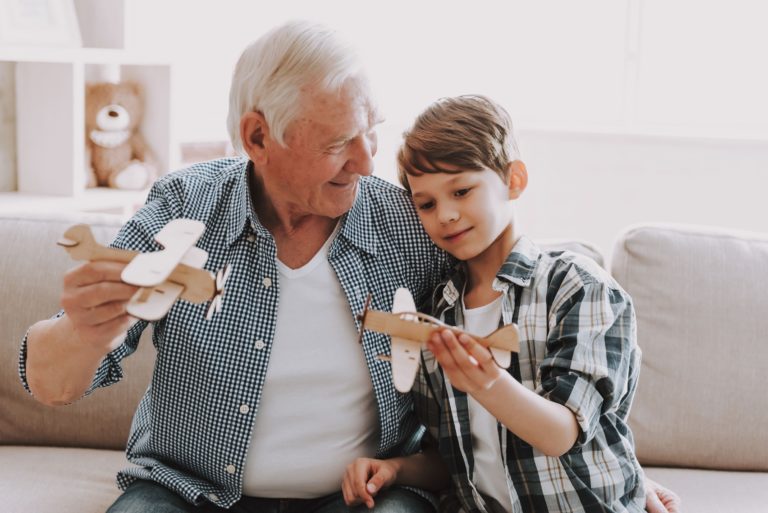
(468, 133)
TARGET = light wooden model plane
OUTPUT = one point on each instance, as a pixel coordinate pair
(164, 276)
(410, 330)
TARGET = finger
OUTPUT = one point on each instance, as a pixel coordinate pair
(96, 294)
(460, 355)
(361, 471)
(93, 272)
(379, 480)
(474, 360)
(652, 502)
(346, 491)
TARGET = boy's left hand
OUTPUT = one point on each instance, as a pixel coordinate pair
(469, 366)
(364, 478)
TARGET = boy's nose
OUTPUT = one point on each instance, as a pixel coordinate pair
(448, 215)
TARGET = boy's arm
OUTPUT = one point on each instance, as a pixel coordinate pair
(549, 427)
(366, 476)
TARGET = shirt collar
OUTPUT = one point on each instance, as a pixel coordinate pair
(357, 225)
(517, 269)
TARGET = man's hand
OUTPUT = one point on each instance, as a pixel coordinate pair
(94, 299)
(469, 366)
(659, 499)
(63, 354)
(365, 477)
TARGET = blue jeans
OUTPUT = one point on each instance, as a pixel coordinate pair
(150, 497)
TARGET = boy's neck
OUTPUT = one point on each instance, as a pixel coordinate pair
(482, 269)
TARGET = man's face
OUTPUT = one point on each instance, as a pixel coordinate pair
(329, 146)
(464, 213)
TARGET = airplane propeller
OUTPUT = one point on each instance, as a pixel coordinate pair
(216, 302)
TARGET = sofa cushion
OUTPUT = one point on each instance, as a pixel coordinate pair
(713, 491)
(701, 297)
(61, 480)
(31, 271)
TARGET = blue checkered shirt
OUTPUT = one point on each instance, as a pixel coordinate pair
(577, 348)
(189, 428)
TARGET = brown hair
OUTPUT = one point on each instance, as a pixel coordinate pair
(469, 133)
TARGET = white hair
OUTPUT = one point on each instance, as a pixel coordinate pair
(272, 70)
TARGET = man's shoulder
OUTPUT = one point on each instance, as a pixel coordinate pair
(385, 195)
(210, 174)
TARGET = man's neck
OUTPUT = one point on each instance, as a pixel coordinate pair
(298, 235)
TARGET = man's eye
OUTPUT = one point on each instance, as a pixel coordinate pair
(462, 192)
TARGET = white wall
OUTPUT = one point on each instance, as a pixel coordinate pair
(627, 110)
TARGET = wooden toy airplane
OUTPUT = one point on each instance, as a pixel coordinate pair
(410, 329)
(165, 275)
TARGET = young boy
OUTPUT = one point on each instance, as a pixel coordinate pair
(550, 433)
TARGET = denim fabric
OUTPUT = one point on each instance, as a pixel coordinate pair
(149, 497)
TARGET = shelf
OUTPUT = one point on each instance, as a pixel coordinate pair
(96, 200)
(50, 87)
(78, 56)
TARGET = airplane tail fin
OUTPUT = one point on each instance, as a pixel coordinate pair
(506, 338)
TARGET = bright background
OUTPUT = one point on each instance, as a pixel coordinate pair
(626, 110)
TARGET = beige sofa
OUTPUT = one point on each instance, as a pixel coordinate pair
(702, 304)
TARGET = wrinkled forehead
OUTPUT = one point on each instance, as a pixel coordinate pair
(353, 93)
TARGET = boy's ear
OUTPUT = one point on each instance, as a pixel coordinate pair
(253, 132)
(518, 178)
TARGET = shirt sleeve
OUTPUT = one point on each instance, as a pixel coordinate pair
(137, 235)
(590, 347)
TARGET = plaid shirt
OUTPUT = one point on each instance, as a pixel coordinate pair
(191, 431)
(577, 348)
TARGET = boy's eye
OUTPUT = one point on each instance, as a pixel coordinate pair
(425, 206)
(462, 192)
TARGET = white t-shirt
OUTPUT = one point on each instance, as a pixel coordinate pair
(318, 410)
(490, 474)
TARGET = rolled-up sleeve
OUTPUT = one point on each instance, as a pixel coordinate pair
(589, 349)
(134, 235)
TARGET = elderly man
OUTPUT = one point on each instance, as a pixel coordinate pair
(262, 408)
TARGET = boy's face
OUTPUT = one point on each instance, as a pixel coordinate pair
(463, 213)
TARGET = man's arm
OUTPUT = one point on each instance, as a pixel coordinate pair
(63, 354)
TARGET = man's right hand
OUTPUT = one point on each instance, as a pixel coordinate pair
(94, 299)
(63, 354)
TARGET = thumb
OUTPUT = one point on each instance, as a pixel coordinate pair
(377, 481)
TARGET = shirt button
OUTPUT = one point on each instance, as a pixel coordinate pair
(213, 497)
(244, 408)
(260, 344)
(231, 469)
(251, 238)
(267, 282)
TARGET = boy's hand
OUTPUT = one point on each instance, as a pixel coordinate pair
(659, 499)
(364, 478)
(469, 366)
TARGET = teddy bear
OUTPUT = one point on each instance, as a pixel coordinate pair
(116, 154)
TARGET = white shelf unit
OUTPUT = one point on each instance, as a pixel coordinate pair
(50, 108)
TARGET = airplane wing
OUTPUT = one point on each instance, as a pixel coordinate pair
(406, 354)
(151, 269)
(152, 303)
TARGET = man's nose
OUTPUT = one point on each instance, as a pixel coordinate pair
(361, 158)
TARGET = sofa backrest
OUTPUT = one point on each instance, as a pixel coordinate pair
(31, 271)
(701, 297)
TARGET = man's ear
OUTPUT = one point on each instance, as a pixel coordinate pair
(518, 178)
(253, 132)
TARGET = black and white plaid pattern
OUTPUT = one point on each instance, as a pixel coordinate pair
(192, 427)
(577, 348)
